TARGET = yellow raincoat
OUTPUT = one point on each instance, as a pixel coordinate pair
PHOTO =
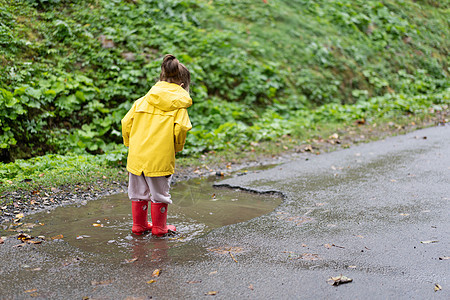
(155, 129)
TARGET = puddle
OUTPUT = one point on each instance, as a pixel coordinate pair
(104, 225)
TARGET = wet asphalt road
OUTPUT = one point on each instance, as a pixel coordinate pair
(363, 212)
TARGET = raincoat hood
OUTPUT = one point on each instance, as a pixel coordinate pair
(155, 129)
(168, 96)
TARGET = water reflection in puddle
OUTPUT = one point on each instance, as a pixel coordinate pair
(104, 225)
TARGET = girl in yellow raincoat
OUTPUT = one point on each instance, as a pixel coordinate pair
(155, 129)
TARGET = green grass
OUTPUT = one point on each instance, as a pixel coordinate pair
(261, 72)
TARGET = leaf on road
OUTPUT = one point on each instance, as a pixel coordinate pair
(310, 256)
(226, 250)
(58, 237)
(1, 240)
(18, 217)
(28, 225)
(334, 136)
(429, 242)
(79, 237)
(232, 256)
(251, 287)
(24, 237)
(151, 281)
(440, 258)
(34, 242)
(193, 281)
(156, 273)
(211, 293)
(97, 225)
(131, 260)
(339, 280)
(30, 291)
(71, 261)
(351, 267)
(437, 287)
(328, 246)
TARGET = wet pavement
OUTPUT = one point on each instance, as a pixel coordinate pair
(378, 213)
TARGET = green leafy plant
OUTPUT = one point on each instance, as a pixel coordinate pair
(72, 69)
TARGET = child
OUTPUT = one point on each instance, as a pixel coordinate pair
(155, 129)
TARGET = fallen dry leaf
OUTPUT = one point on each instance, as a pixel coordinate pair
(156, 273)
(71, 261)
(151, 281)
(334, 136)
(226, 250)
(339, 280)
(437, 287)
(28, 225)
(429, 242)
(328, 246)
(97, 225)
(304, 245)
(2, 240)
(351, 267)
(80, 237)
(213, 272)
(30, 291)
(310, 256)
(444, 257)
(211, 293)
(193, 281)
(57, 237)
(231, 254)
(34, 242)
(19, 216)
(251, 287)
(24, 237)
(131, 260)
(18, 246)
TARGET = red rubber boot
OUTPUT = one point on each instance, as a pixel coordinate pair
(140, 222)
(159, 218)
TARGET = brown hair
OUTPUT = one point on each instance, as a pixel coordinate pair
(174, 72)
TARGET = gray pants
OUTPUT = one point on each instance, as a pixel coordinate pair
(155, 189)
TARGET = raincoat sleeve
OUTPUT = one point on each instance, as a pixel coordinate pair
(127, 121)
(182, 126)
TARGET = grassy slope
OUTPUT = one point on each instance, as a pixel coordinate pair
(328, 49)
